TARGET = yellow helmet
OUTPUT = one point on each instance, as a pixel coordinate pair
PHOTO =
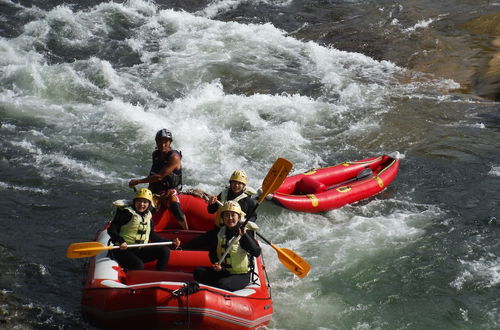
(144, 193)
(231, 206)
(239, 176)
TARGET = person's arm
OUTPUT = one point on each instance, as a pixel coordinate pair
(251, 203)
(212, 208)
(202, 242)
(250, 245)
(212, 250)
(121, 218)
(173, 163)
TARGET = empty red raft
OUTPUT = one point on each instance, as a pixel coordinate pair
(324, 189)
(146, 299)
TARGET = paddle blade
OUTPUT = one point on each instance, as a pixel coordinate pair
(275, 177)
(292, 261)
(86, 249)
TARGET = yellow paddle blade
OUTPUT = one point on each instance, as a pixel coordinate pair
(275, 177)
(86, 249)
(292, 261)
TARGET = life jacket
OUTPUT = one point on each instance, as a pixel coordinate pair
(171, 181)
(137, 230)
(236, 261)
(246, 193)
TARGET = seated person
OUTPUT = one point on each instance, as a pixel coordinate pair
(238, 192)
(132, 225)
(234, 272)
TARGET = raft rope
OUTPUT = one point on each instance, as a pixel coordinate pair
(193, 287)
(187, 289)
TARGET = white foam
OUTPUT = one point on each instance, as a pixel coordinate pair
(419, 25)
(483, 272)
(495, 171)
(218, 7)
(5, 185)
(56, 164)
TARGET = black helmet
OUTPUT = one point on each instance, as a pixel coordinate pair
(163, 133)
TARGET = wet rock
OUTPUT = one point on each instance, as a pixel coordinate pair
(486, 24)
(486, 83)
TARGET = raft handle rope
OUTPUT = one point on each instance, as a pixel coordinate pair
(193, 287)
(187, 289)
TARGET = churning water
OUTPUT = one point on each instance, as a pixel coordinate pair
(85, 86)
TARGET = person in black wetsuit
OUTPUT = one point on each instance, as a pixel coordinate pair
(132, 225)
(234, 273)
(165, 175)
(238, 192)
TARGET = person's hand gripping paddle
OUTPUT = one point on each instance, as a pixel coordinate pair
(274, 178)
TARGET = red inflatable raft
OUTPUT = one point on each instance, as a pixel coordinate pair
(148, 298)
(324, 189)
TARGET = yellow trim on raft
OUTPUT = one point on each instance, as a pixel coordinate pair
(314, 200)
(379, 181)
(344, 189)
(387, 167)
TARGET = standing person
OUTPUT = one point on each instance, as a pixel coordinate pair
(132, 225)
(238, 192)
(165, 176)
(234, 272)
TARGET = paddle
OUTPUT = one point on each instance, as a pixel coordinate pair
(272, 181)
(361, 175)
(90, 249)
(274, 178)
(288, 258)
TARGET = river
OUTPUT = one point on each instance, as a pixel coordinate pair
(86, 84)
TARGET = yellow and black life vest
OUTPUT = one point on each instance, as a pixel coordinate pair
(236, 261)
(137, 230)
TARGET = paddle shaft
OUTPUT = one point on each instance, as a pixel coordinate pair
(143, 245)
(115, 247)
(90, 249)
